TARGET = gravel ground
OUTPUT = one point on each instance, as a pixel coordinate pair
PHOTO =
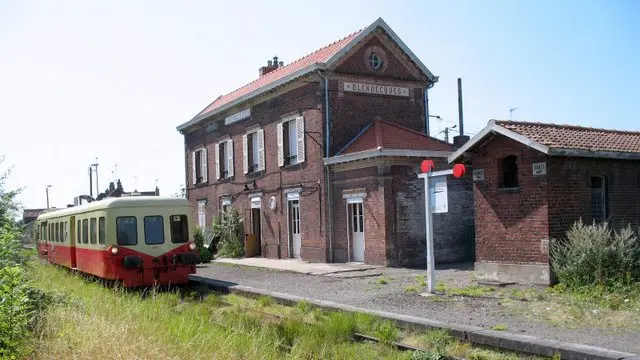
(368, 291)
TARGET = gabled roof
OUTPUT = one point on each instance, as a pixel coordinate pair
(384, 138)
(317, 60)
(561, 140)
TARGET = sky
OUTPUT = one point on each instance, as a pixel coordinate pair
(111, 80)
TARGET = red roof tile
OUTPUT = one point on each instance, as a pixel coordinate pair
(576, 137)
(319, 56)
(387, 135)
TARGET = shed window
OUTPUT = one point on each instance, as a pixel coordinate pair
(599, 203)
(509, 172)
(127, 230)
(153, 230)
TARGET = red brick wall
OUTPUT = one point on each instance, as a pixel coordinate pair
(309, 175)
(570, 192)
(512, 226)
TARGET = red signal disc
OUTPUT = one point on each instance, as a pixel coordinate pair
(426, 166)
(459, 170)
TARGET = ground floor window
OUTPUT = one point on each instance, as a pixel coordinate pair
(202, 218)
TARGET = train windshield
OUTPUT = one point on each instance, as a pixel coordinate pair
(179, 229)
(153, 230)
(127, 228)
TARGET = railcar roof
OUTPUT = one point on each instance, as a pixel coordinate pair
(111, 203)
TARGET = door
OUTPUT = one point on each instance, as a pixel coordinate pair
(256, 228)
(357, 230)
(294, 228)
(72, 242)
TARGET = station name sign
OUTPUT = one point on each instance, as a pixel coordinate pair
(237, 116)
(376, 89)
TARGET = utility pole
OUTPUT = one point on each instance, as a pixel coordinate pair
(96, 166)
(47, 190)
(511, 110)
(446, 134)
(90, 181)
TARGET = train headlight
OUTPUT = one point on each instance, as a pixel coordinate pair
(192, 246)
(114, 250)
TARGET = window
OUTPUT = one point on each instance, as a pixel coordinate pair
(224, 159)
(78, 233)
(199, 162)
(101, 231)
(509, 172)
(599, 201)
(127, 230)
(202, 219)
(225, 203)
(179, 229)
(253, 149)
(57, 235)
(153, 230)
(375, 61)
(85, 231)
(291, 142)
(92, 231)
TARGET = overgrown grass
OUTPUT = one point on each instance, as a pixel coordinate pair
(89, 320)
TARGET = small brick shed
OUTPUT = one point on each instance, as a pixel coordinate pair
(533, 181)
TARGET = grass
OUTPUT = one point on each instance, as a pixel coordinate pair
(89, 320)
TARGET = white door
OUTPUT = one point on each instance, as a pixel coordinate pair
(357, 231)
(294, 226)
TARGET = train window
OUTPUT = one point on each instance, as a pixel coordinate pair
(57, 233)
(93, 231)
(153, 230)
(85, 231)
(101, 230)
(66, 231)
(127, 229)
(78, 233)
(61, 233)
(179, 229)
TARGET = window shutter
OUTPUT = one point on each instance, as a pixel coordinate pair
(260, 136)
(217, 162)
(280, 136)
(300, 138)
(193, 167)
(205, 172)
(230, 159)
(245, 154)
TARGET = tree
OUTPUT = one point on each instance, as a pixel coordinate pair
(8, 203)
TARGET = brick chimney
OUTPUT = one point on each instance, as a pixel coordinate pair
(271, 66)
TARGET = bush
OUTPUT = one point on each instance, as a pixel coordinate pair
(204, 253)
(228, 230)
(596, 255)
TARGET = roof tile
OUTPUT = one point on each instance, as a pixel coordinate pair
(576, 137)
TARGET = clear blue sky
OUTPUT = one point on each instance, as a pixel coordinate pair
(112, 79)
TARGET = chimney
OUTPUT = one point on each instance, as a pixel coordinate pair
(461, 139)
(119, 185)
(111, 187)
(271, 65)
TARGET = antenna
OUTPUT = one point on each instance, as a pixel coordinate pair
(511, 110)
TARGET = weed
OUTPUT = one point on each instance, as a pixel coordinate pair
(421, 281)
(304, 306)
(265, 301)
(386, 331)
(383, 281)
(499, 327)
(411, 289)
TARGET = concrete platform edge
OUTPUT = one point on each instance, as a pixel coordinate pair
(472, 334)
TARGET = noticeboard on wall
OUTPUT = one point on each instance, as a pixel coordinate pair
(438, 194)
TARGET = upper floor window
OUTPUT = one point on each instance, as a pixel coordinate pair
(509, 172)
(199, 162)
(375, 61)
(291, 146)
(253, 151)
(224, 159)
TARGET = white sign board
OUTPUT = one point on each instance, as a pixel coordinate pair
(237, 116)
(376, 89)
(539, 168)
(478, 174)
(438, 193)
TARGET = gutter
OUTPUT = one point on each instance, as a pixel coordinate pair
(327, 172)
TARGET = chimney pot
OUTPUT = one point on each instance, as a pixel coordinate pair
(281, 63)
(269, 63)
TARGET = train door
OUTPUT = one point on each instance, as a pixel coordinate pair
(72, 242)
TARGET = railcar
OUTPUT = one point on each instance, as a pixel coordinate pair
(139, 241)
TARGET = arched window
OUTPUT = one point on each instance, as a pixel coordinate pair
(509, 173)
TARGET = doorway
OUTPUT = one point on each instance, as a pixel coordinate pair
(294, 228)
(356, 217)
(256, 224)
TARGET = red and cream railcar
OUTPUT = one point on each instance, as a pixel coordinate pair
(140, 241)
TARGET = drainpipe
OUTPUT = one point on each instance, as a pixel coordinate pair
(186, 168)
(426, 108)
(327, 172)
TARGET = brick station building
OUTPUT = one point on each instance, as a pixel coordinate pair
(320, 157)
(533, 181)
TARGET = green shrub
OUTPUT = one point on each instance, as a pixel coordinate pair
(204, 253)
(228, 230)
(596, 255)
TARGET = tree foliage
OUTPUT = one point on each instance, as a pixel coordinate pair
(228, 230)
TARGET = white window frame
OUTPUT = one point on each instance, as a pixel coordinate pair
(202, 213)
(227, 142)
(225, 202)
(257, 152)
(203, 164)
(300, 140)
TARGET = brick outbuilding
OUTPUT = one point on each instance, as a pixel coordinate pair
(346, 124)
(533, 181)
